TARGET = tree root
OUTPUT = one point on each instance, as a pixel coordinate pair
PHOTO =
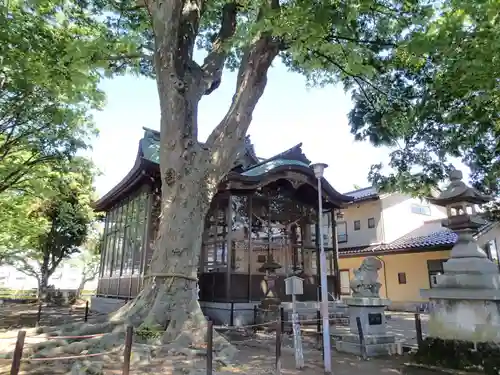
(184, 336)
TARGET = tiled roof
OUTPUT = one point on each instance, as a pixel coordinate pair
(357, 249)
(363, 194)
(435, 237)
(444, 237)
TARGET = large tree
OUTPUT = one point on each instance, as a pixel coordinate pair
(365, 44)
(440, 100)
(328, 41)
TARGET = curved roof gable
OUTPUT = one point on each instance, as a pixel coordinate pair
(248, 168)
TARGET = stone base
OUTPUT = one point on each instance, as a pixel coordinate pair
(371, 312)
(465, 320)
(375, 345)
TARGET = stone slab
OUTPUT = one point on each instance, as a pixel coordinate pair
(374, 350)
(466, 320)
(369, 340)
(469, 281)
(366, 301)
(461, 294)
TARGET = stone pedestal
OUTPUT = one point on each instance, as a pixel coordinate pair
(464, 314)
(371, 312)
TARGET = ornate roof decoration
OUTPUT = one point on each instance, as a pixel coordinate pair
(263, 168)
(149, 145)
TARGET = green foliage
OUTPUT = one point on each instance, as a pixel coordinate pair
(147, 333)
(44, 230)
(437, 98)
(53, 54)
(459, 355)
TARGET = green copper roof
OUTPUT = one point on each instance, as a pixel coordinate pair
(150, 145)
(270, 165)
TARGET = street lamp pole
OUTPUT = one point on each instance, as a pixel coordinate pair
(319, 168)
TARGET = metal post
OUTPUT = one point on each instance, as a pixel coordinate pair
(324, 287)
(418, 329)
(361, 337)
(127, 350)
(278, 348)
(210, 347)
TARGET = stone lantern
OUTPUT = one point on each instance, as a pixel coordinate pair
(269, 267)
(461, 201)
(269, 306)
(465, 302)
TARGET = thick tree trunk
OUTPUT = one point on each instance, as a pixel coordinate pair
(191, 173)
(168, 298)
(43, 281)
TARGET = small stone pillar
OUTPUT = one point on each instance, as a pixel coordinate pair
(367, 305)
(271, 303)
(465, 302)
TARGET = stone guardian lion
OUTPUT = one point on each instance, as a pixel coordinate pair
(365, 281)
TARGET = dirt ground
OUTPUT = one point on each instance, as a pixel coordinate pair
(256, 354)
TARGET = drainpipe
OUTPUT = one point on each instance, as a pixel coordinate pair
(382, 239)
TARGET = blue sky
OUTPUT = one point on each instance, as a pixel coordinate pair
(288, 113)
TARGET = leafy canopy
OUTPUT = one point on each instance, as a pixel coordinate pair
(438, 98)
(42, 231)
(48, 86)
(423, 75)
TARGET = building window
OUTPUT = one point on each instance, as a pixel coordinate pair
(371, 222)
(261, 258)
(402, 277)
(434, 267)
(345, 289)
(357, 224)
(341, 232)
(421, 209)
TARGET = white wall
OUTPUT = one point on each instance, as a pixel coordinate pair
(398, 218)
(362, 212)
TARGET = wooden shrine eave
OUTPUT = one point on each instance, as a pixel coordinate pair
(143, 172)
(296, 175)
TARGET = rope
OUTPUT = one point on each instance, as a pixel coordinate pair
(171, 275)
(56, 337)
(68, 357)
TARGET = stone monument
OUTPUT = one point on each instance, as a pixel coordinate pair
(367, 305)
(465, 302)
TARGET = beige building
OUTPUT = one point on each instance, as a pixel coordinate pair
(407, 236)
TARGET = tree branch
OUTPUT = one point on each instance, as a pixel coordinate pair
(175, 26)
(225, 140)
(381, 43)
(213, 64)
(357, 78)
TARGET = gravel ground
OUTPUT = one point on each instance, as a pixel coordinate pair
(256, 354)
